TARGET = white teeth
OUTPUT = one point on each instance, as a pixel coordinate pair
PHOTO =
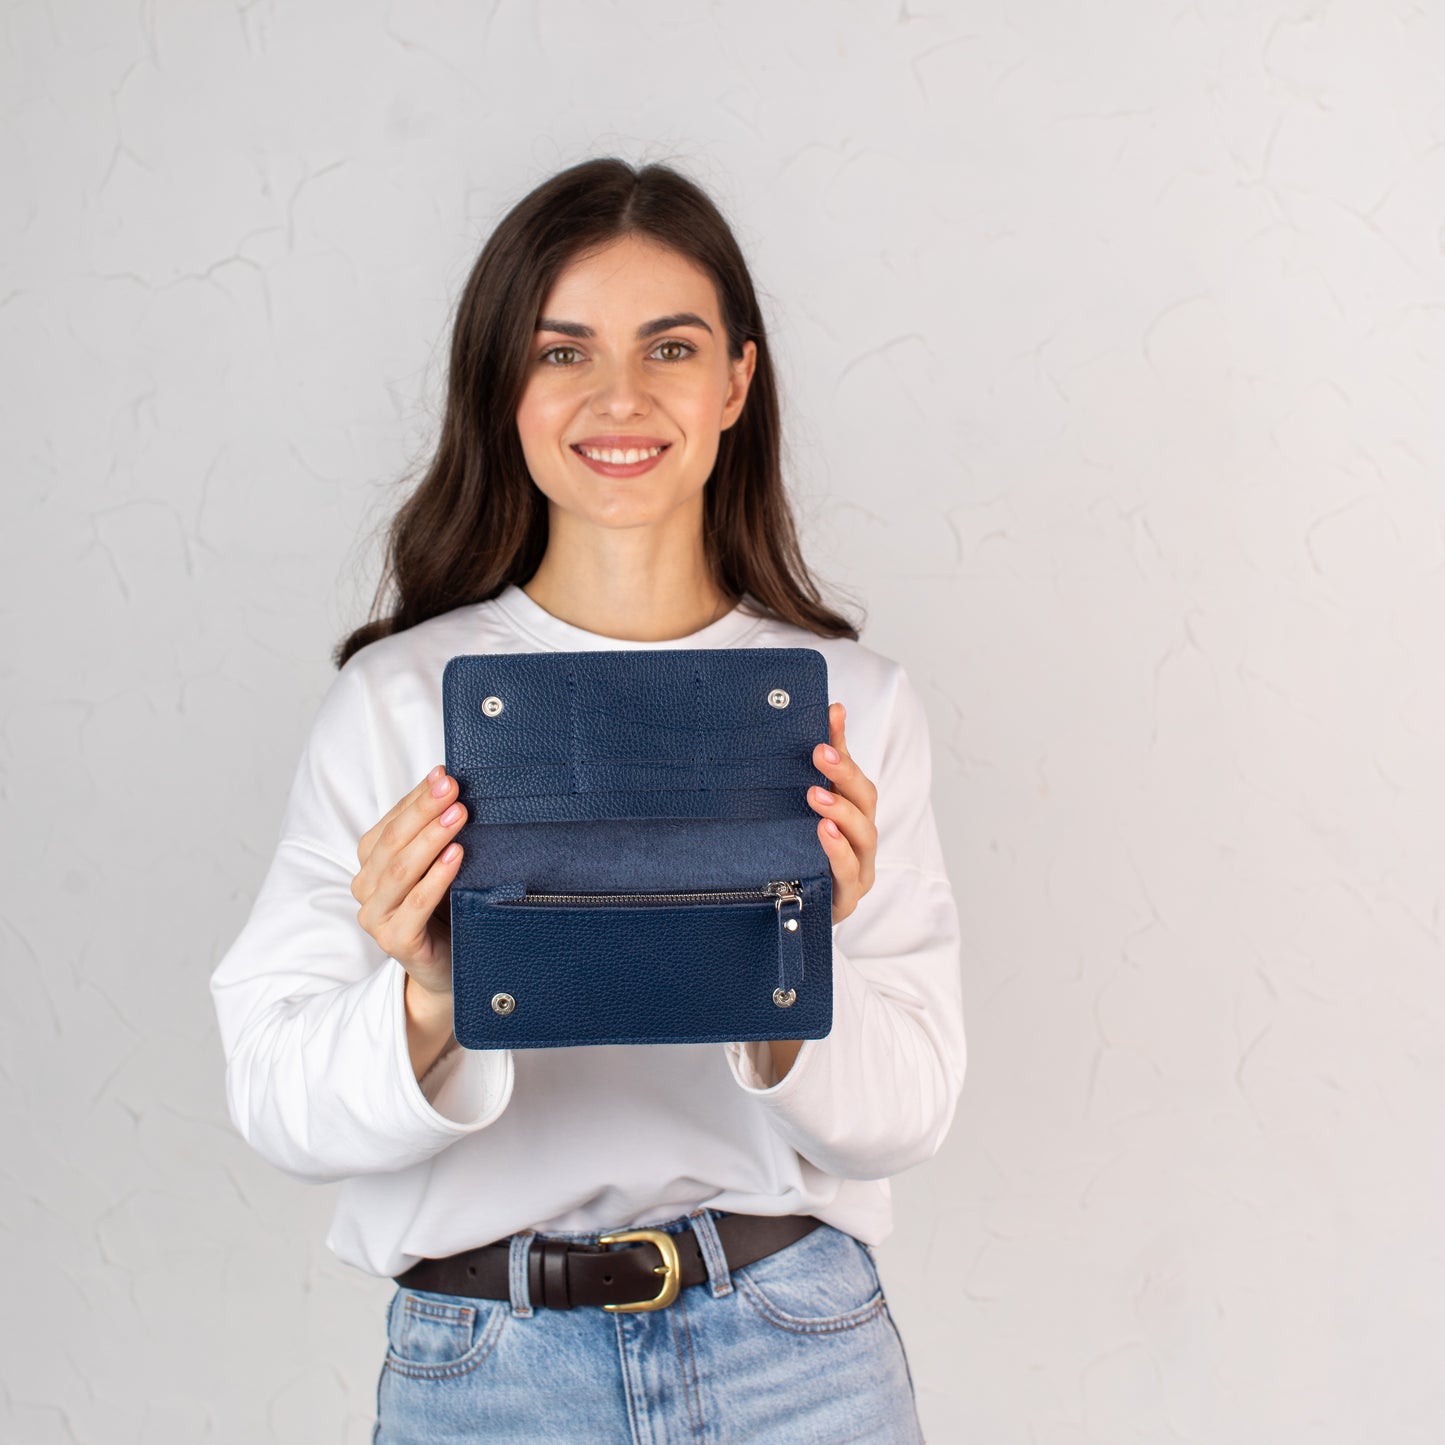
(616, 456)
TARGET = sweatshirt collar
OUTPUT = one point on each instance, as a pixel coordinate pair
(532, 619)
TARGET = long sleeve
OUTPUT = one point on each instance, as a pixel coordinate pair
(878, 1094)
(311, 1010)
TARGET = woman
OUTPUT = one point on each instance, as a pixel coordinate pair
(607, 477)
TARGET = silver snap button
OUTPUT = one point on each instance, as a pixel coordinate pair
(778, 697)
(503, 1003)
(491, 706)
(784, 1000)
(791, 924)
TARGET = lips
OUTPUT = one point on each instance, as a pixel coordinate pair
(619, 439)
(620, 446)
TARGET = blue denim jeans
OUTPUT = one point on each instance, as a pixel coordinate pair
(795, 1348)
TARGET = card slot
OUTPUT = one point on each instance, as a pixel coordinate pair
(628, 716)
(642, 760)
(773, 802)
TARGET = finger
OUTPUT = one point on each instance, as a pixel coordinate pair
(422, 790)
(856, 826)
(832, 757)
(428, 894)
(842, 857)
(406, 846)
(407, 890)
(844, 774)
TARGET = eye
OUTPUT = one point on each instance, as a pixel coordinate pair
(562, 356)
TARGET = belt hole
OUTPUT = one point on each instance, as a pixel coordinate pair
(472, 1270)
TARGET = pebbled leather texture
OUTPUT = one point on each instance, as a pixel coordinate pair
(638, 772)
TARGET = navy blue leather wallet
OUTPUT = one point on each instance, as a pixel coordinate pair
(641, 863)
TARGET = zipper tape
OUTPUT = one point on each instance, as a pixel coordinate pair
(705, 895)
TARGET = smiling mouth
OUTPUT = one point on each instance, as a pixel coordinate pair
(620, 456)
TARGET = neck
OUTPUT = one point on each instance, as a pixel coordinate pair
(654, 608)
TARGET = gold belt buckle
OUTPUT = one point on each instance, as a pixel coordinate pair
(670, 1268)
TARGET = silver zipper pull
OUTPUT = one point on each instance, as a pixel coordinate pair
(784, 892)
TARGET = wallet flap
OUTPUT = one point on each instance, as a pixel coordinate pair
(703, 733)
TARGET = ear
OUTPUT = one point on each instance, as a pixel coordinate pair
(742, 375)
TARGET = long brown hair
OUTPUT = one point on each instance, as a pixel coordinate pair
(477, 522)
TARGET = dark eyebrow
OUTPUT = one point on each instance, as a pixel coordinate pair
(580, 332)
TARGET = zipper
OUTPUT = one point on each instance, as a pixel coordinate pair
(781, 890)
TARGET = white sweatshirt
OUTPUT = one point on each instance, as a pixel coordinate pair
(318, 1073)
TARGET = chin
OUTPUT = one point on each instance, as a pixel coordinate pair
(623, 503)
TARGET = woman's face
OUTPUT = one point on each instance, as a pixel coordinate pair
(629, 355)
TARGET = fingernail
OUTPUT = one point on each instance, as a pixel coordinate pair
(830, 753)
(435, 773)
(823, 795)
(440, 786)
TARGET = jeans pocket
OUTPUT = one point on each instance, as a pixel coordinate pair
(432, 1336)
(824, 1282)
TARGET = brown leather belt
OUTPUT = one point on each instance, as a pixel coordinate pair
(562, 1274)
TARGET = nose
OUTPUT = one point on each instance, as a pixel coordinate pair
(621, 392)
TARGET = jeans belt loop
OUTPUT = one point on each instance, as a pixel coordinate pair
(555, 1294)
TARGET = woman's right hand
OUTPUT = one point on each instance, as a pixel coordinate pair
(404, 879)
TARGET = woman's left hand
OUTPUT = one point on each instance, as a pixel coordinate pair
(850, 849)
(853, 846)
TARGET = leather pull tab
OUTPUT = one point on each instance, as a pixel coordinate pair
(790, 945)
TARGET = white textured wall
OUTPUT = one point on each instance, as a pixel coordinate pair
(1112, 339)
